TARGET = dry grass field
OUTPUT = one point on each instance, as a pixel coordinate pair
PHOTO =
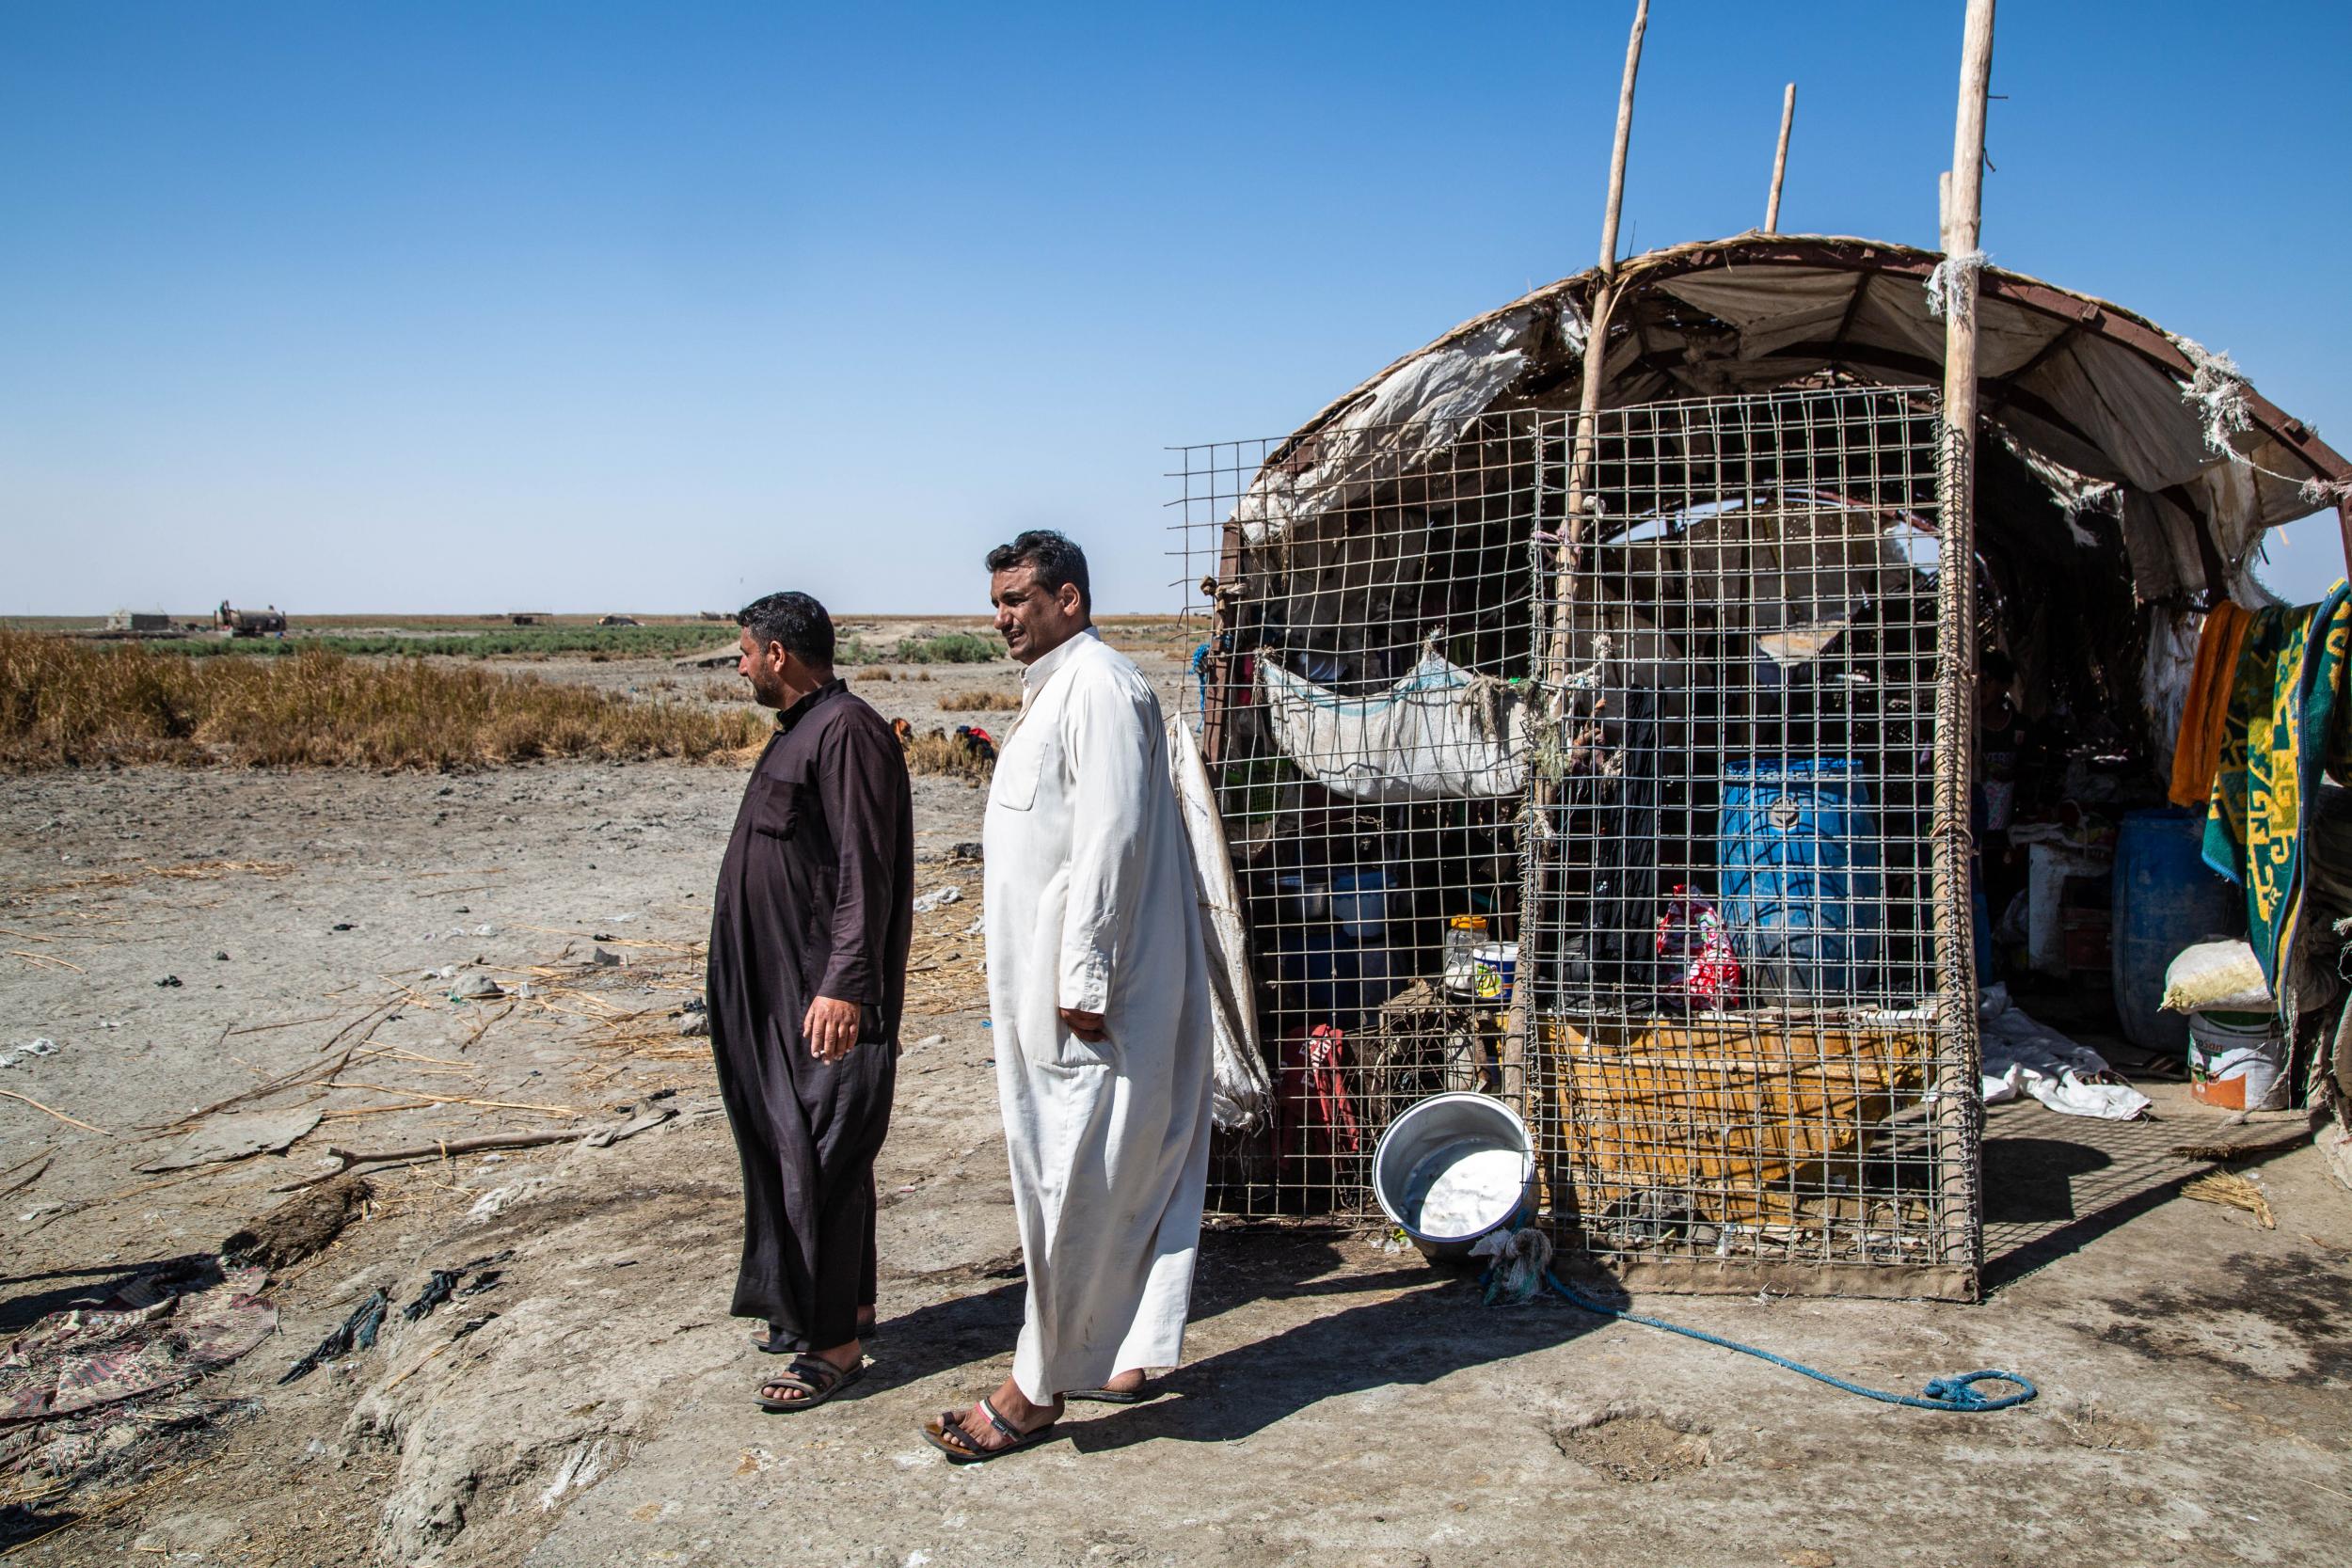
(66, 704)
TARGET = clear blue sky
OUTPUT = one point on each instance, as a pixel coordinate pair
(451, 307)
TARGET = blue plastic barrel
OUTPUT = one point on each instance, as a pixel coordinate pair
(1798, 850)
(2165, 898)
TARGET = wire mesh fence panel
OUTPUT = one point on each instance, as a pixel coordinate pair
(1741, 1029)
(1630, 824)
(1361, 696)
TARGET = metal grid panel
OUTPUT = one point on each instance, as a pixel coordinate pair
(1725, 684)
(1733, 959)
(1362, 699)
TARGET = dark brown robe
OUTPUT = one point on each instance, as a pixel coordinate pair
(816, 898)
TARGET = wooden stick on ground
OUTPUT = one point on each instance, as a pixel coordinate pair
(1780, 159)
(442, 1150)
(36, 1105)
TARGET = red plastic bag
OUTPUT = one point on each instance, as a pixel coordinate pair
(1696, 966)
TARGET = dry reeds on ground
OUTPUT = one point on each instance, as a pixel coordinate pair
(946, 754)
(980, 701)
(67, 705)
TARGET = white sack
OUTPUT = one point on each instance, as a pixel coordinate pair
(2217, 977)
(1440, 733)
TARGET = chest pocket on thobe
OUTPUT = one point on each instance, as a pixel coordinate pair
(775, 808)
(1018, 769)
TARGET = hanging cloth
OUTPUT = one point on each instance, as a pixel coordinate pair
(2280, 735)
(1439, 734)
(2205, 717)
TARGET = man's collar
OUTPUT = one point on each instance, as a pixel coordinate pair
(799, 710)
(1043, 667)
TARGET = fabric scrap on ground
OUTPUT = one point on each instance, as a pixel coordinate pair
(2023, 1055)
(146, 1339)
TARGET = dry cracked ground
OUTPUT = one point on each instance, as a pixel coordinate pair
(1343, 1403)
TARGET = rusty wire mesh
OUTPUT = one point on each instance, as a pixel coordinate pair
(1635, 831)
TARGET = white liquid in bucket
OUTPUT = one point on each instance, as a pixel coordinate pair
(1464, 1189)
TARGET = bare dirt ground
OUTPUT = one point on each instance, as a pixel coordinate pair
(1343, 1404)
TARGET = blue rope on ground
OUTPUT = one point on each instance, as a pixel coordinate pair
(1956, 1394)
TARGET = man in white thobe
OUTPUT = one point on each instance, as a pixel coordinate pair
(1099, 988)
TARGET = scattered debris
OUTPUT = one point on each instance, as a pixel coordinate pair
(437, 1288)
(604, 956)
(358, 1333)
(476, 988)
(235, 1137)
(168, 980)
(966, 851)
(473, 1324)
(87, 1388)
(220, 958)
(938, 898)
(499, 1199)
(41, 1047)
(647, 1117)
(341, 925)
(301, 1225)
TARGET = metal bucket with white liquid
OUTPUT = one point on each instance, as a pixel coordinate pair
(1451, 1169)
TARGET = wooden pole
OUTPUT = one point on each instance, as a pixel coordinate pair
(1517, 1051)
(1780, 159)
(1625, 134)
(1958, 1112)
(1595, 356)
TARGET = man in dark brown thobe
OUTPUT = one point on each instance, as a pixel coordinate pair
(808, 956)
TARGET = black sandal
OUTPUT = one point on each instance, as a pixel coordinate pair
(1137, 1395)
(817, 1378)
(948, 1435)
(766, 1343)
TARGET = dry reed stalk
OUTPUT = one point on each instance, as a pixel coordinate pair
(2232, 1191)
(12, 1094)
(42, 960)
(462, 1099)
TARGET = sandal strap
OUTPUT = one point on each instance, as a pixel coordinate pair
(813, 1375)
(1014, 1433)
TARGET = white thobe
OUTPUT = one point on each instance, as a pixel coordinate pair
(1091, 906)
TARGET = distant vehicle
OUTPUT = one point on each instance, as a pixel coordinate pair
(618, 621)
(232, 621)
(527, 617)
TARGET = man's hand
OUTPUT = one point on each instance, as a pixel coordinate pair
(831, 1027)
(1087, 1026)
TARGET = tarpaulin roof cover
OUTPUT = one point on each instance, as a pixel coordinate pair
(2089, 394)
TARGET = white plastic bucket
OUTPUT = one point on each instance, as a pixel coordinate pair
(2238, 1061)
(1452, 1168)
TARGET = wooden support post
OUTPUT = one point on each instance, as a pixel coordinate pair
(1518, 1047)
(1780, 159)
(1957, 1108)
(1596, 358)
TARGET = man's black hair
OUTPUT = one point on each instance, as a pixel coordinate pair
(795, 620)
(1054, 559)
